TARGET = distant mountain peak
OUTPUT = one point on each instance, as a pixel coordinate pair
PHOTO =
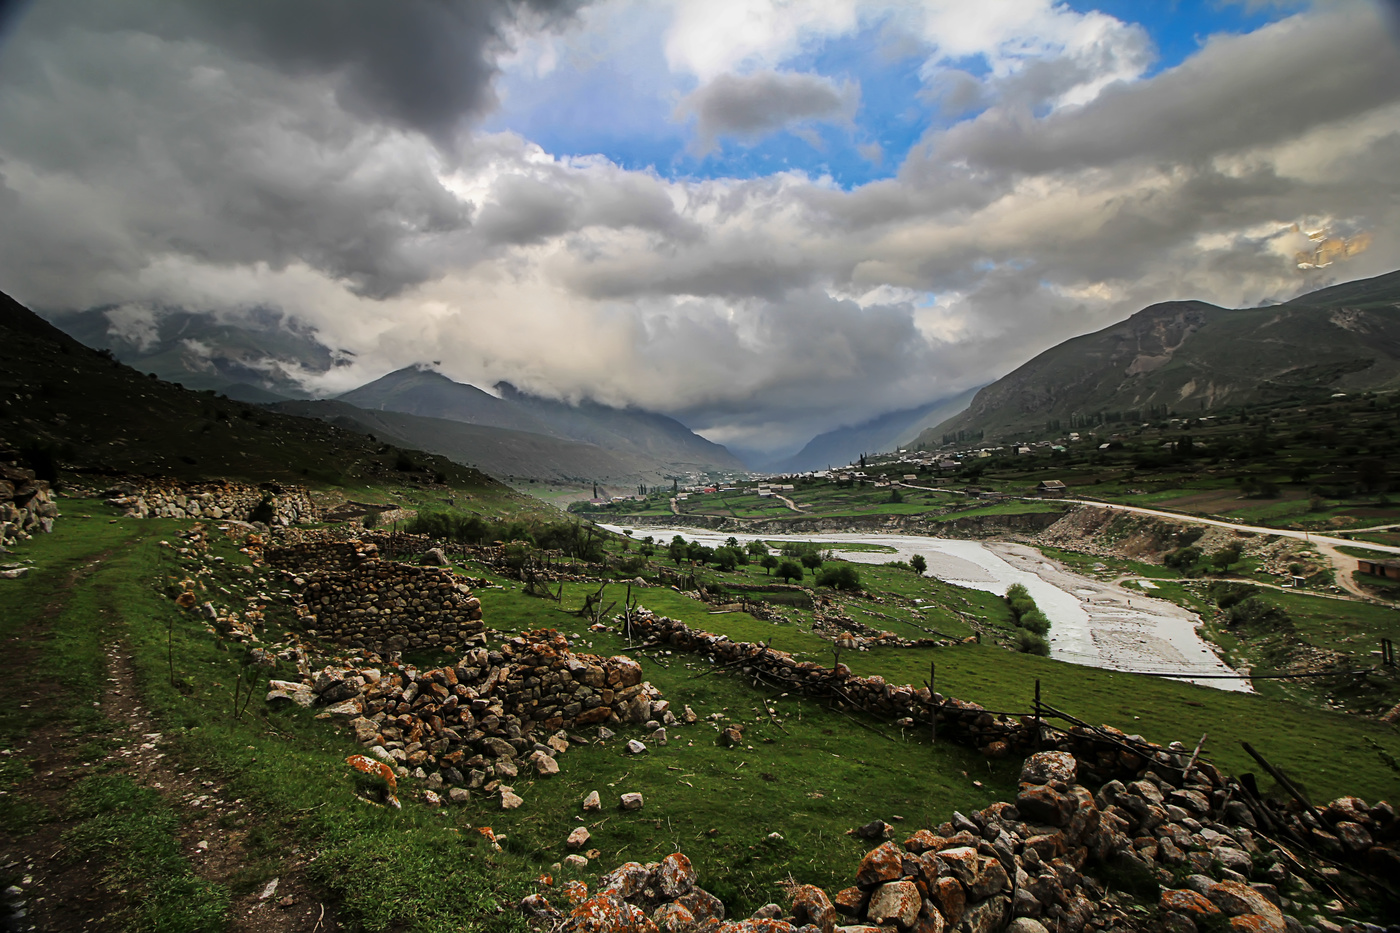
(1193, 356)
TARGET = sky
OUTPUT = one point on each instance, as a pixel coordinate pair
(768, 218)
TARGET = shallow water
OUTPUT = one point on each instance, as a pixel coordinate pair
(1092, 622)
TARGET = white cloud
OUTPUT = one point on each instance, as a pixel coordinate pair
(153, 170)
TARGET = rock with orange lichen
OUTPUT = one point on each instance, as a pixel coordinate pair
(881, 864)
(811, 906)
(674, 876)
(607, 913)
(1187, 902)
(673, 918)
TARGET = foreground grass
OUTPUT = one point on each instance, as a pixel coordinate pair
(750, 817)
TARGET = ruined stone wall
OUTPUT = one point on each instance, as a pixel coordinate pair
(388, 606)
(1046, 864)
(215, 501)
(26, 504)
(483, 719)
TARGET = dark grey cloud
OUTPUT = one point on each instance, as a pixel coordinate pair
(755, 105)
(425, 65)
(159, 155)
(1253, 90)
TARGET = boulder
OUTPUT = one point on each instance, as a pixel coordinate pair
(1044, 767)
(811, 906)
(896, 901)
(675, 876)
(881, 864)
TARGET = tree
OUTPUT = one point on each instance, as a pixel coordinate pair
(789, 570)
(757, 548)
(768, 562)
(1223, 558)
(726, 558)
(811, 560)
(839, 577)
(896, 495)
(918, 564)
(678, 549)
(731, 541)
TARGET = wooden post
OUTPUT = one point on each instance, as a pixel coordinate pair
(1037, 714)
(1279, 776)
(1192, 763)
(933, 703)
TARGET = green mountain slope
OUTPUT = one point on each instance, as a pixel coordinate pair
(1189, 357)
(258, 354)
(66, 405)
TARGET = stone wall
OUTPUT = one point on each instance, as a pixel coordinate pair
(476, 724)
(388, 606)
(216, 501)
(1148, 855)
(26, 504)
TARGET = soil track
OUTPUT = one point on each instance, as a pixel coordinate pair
(57, 894)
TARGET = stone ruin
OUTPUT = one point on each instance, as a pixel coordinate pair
(1048, 863)
(217, 501)
(474, 725)
(26, 504)
(353, 598)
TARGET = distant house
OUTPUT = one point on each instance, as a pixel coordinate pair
(1051, 489)
(1390, 569)
(910, 477)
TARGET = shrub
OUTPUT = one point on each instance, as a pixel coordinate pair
(1031, 643)
(1035, 621)
(840, 577)
(790, 570)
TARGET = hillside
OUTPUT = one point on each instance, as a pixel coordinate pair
(495, 450)
(250, 360)
(624, 432)
(67, 406)
(1190, 357)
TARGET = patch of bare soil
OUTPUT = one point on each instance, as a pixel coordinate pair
(47, 892)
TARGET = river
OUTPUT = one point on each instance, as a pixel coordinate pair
(1092, 622)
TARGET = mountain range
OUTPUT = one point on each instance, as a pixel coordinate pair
(1188, 357)
(887, 432)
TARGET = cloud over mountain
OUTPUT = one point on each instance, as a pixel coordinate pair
(331, 163)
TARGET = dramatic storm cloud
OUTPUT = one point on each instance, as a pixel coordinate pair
(766, 218)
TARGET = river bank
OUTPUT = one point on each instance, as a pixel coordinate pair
(1093, 622)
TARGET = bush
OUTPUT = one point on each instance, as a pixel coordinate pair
(1031, 643)
(840, 577)
(790, 570)
(1183, 558)
(1035, 621)
(1223, 558)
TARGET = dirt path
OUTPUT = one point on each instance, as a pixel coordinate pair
(1342, 564)
(53, 891)
(789, 503)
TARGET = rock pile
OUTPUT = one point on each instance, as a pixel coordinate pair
(26, 504)
(1048, 863)
(383, 605)
(170, 498)
(476, 724)
(658, 896)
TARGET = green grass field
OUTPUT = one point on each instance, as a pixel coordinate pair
(809, 780)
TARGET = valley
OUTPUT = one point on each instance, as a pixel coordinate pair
(820, 575)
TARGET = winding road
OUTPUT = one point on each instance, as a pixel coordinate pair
(1326, 545)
